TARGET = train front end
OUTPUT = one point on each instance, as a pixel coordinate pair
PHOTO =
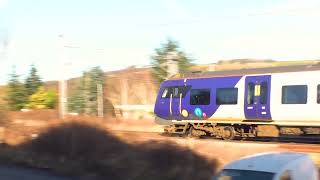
(164, 104)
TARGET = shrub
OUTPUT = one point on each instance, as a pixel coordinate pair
(42, 99)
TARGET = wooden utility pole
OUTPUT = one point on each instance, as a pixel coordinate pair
(171, 64)
(63, 98)
(100, 100)
(124, 91)
(124, 94)
(63, 82)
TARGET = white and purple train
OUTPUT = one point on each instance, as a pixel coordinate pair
(264, 102)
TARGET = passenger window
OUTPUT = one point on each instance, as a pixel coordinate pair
(250, 97)
(200, 97)
(264, 92)
(296, 94)
(227, 96)
(318, 94)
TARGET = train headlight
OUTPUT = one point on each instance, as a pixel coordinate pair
(185, 113)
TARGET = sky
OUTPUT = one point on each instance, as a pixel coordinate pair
(63, 38)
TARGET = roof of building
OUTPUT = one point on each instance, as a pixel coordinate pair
(266, 162)
(241, 72)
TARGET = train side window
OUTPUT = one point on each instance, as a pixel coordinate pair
(295, 94)
(264, 92)
(318, 94)
(200, 97)
(250, 97)
(227, 96)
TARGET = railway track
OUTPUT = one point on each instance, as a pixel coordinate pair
(306, 145)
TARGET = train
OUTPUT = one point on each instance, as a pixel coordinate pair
(261, 102)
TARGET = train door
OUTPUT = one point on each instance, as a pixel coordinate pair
(257, 97)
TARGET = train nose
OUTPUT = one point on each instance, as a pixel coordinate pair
(160, 121)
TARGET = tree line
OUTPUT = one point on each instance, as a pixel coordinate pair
(32, 94)
(84, 99)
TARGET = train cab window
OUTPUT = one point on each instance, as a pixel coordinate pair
(227, 96)
(167, 92)
(250, 97)
(264, 92)
(175, 91)
(296, 94)
(318, 94)
(184, 90)
(200, 97)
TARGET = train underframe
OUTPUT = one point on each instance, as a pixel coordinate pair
(240, 131)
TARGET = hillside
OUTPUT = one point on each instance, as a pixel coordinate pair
(248, 64)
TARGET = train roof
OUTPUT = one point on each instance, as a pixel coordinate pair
(241, 72)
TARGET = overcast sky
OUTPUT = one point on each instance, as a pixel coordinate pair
(117, 34)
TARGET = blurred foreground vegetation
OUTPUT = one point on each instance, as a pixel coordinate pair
(83, 148)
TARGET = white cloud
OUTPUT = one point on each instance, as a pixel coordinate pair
(176, 9)
(3, 3)
(292, 7)
(272, 45)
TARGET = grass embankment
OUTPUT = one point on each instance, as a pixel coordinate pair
(83, 148)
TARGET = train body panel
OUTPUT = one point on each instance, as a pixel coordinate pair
(232, 111)
(307, 109)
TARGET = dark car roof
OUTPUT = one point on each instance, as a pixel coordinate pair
(265, 70)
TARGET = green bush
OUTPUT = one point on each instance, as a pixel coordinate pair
(42, 99)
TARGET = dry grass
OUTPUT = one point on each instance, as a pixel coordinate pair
(21, 125)
(3, 116)
(38, 115)
(79, 147)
